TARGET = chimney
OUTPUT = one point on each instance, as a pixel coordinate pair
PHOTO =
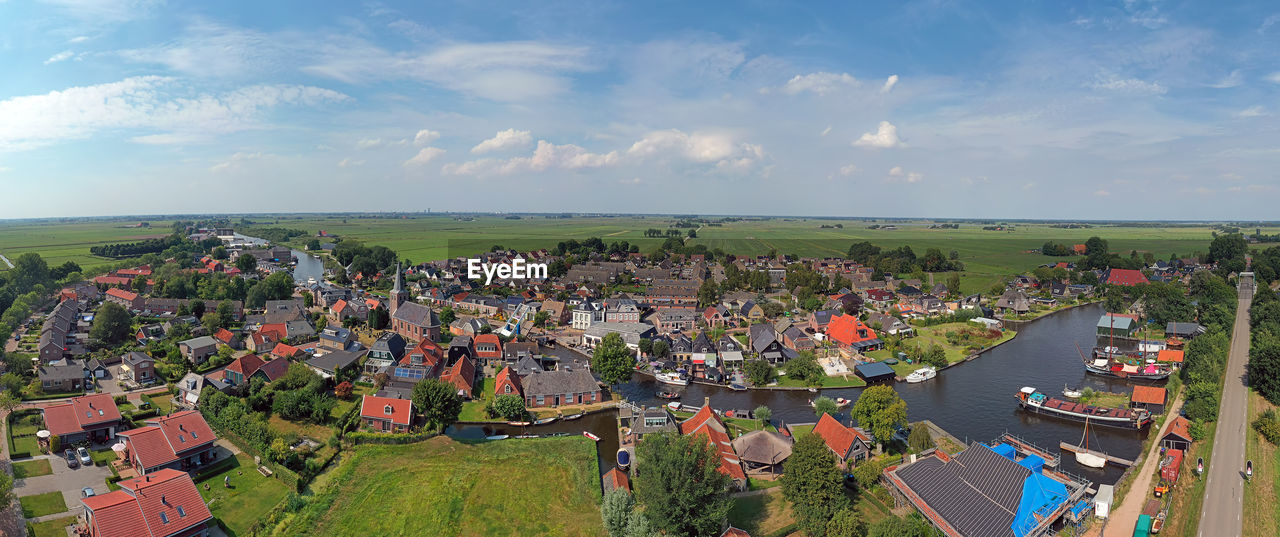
(706, 401)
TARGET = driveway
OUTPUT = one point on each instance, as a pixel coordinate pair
(69, 481)
(111, 382)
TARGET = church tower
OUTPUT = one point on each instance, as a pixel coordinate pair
(398, 293)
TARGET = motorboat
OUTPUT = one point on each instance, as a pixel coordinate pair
(922, 374)
(674, 379)
(545, 421)
(572, 417)
(674, 405)
(737, 387)
(667, 395)
(497, 437)
(624, 458)
(519, 423)
(1071, 394)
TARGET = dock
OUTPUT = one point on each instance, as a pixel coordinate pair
(1027, 448)
(1110, 458)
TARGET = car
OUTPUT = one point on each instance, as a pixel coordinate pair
(71, 458)
(83, 453)
(87, 492)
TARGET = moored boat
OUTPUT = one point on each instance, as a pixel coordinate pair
(674, 379)
(667, 395)
(737, 387)
(571, 417)
(519, 423)
(922, 374)
(624, 458)
(497, 437)
(1070, 393)
(1033, 401)
(545, 421)
(1110, 362)
(591, 436)
(674, 405)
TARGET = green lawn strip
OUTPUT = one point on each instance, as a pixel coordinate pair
(34, 468)
(1260, 495)
(42, 504)
(1188, 497)
(801, 430)
(250, 497)
(54, 528)
(547, 486)
(103, 457)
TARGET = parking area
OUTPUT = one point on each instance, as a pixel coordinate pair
(69, 481)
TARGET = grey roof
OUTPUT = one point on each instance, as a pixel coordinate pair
(526, 365)
(1108, 321)
(136, 358)
(281, 311)
(299, 328)
(977, 492)
(762, 335)
(762, 447)
(728, 344)
(1184, 329)
(390, 342)
(335, 360)
(336, 333)
(672, 314)
(604, 329)
(416, 314)
(516, 349)
(70, 370)
(199, 342)
(703, 344)
(559, 382)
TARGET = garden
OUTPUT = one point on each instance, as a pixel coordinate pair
(248, 498)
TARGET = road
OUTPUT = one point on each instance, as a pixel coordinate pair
(1224, 490)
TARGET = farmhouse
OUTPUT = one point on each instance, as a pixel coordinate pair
(386, 414)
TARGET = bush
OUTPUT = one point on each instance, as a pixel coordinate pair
(920, 439)
(1268, 425)
(360, 437)
(868, 473)
(1198, 430)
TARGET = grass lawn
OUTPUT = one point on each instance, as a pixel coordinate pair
(42, 504)
(1260, 496)
(25, 444)
(761, 514)
(25, 469)
(162, 402)
(1108, 399)
(54, 528)
(853, 381)
(252, 495)
(473, 410)
(547, 486)
(103, 457)
(801, 430)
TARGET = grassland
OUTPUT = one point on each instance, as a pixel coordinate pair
(1260, 495)
(249, 498)
(987, 255)
(547, 486)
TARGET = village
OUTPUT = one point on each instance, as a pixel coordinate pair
(135, 383)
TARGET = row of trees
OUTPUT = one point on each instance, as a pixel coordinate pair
(135, 249)
(1205, 358)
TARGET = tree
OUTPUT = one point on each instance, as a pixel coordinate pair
(343, 390)
(661, 348)
(111, 324)
(438, 401)
(814, 485)
(935, 356)
(220, 252)
(763, 414)
(920, 439)
(1264, 366)
(681, 487)
(308, 300)
(880, 410)
(612, 360)
(911, 526)
(953, 284)
(9, 401)
(6, 490)
(616, 511)
(759, 372)
(246, 263)
(211, 322)
(825, 405)
(379, 318)
(1227, 247)
(708, 293)
(447, 316)
(638, 525)
(540, 320)
(510, 407)
(805, 368)
(847, 523)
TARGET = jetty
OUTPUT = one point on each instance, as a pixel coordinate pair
(1027, 448)
(1110, 458)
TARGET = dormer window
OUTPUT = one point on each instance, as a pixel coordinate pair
(386, 410)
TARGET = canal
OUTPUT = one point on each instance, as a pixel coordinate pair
(307, 267)
(974, 400)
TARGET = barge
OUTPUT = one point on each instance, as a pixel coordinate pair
(1033, 401)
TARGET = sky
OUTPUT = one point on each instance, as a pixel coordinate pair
(1131, 109)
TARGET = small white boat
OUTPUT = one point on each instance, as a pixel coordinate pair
(1072, 394)
(922, 374)
(591, 436)
(671, 378)
(674, 405)
(813, 390)
(497, 437)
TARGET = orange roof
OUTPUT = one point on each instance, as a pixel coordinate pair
(224, 336)
(121, 293)
(618, 479)
(707, 424)
(838, 437)
(1169, 355)
(246, 365)
(164, 502)
(505, 377)
(734, 532)
(1149, 395)
(285, 351)
(847, 330)
(278, 331)
(339, 306)
(399, 411)
(462, 375)
(1181, 427)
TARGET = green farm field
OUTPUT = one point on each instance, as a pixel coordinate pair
(988, 255)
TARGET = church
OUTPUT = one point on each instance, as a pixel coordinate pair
(411, 320)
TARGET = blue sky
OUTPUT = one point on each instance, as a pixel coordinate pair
(1022, 109)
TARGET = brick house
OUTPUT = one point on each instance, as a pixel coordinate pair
(197, 350)
(138, 367)
(129, 300)
(507, 382)
(166, 503)
(850, 445)
(569, 386)
(386, 414)
(90, 417)
(181, 441)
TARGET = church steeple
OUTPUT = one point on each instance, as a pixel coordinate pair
(398, 293)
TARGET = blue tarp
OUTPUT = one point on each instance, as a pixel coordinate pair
(1004, 450)
(1040, 496)
(1079, 508)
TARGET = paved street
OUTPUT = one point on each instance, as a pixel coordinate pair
(70, 481)
(1224, 490)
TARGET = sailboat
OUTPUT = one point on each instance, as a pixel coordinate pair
(1085, 458)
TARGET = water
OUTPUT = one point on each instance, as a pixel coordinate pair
(974, 401)
(307, 267)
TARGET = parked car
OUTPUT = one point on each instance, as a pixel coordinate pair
(85, 459)
(71, 458)
(87, 492)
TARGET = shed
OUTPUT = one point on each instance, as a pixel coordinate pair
(875, 372)
(1151, 398)
(1178, 435)
(1170, 355)
(1117, 325)
(1102, 501)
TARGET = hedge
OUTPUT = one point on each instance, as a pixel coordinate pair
(360, 437)
(284, 474)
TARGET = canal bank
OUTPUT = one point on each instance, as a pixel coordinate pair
(973, 400)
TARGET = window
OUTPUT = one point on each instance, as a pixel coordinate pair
(164, 518)
(541, 400)
(386, 410)
(181, 512)
(507, 388)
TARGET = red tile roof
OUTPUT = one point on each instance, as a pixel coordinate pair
(707, 424)
(399, 411)
(149, 506)
(1179, 426)
(1169, 355)
(112, 280)
(1125, 277)
(431, 352)
(505, 377)
(618, 479)
(462, 375)
(274, 369)
(277, 331)
(163, 440)
(847, 330)
(339, 306)
(122, 294)
(148, 446)
(491, 339)
(1150, 395)
(80, 413)
(838, 437)
(285, 351)
(224, 335)
(246, 365)
(734, 532)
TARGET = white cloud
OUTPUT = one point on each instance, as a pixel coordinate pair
(1101, 192)
(848, 169)
(697, 147)
(1274, 77)
(426, 155)
(1127, 85)
(547, 156)
(1252, 111)
(820, 83)
(350, 163)
(148, 103)
(826, 131)
(237, 160)
(370, 143)
(503, 141)
(886, 136)
(425, 136)
(78, 39)
(889, 83)
(1269, 22)
(1230, 81)
(897, 174)
(896, 171)
(207, 49)
(64, 55)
